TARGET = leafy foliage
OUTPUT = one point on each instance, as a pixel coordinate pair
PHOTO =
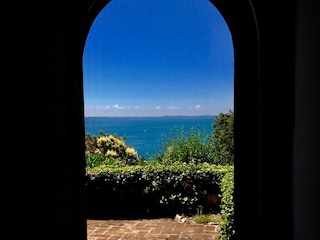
(109, 150)
(222, 139)
(179, 186)
(191, 147)
(227, 206)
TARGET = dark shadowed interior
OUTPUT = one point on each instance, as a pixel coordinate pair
(276, 111)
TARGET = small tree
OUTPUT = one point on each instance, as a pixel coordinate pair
(222, 139)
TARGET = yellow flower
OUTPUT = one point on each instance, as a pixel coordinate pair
(131, 152)
(97, 151)
(111, 153)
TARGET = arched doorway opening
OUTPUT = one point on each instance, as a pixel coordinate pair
(246, 71)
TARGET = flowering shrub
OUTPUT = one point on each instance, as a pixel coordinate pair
(109, 150)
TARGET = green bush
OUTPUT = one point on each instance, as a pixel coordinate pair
(222, 139)
(197, 146)
(179, 186)
(188, 147)
(227, 206)
(94, 159)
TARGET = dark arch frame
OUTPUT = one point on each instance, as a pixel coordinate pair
(244, 32)
(275, 103)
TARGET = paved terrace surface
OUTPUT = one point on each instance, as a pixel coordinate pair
(151, 229)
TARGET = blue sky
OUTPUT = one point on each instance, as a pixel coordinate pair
(156, 58)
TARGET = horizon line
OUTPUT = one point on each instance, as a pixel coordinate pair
(203, 115)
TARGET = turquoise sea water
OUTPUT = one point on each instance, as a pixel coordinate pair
(145, 134)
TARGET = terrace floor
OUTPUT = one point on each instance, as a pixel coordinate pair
(151, 229)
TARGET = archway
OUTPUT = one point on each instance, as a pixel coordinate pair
(246, 80)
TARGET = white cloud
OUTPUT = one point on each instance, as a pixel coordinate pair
(117, 106)
(103, 107)
(197, 106)
(157, 107)
(173, 108)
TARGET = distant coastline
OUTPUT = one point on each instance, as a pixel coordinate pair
(165, 116)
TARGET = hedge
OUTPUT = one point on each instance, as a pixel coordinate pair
(179, 187)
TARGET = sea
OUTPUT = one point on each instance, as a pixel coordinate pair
(147, 134)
